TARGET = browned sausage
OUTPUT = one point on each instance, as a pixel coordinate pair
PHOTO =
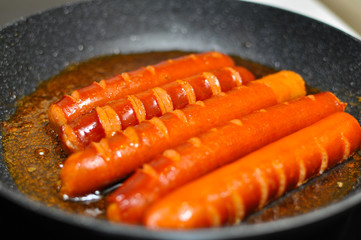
(107, 120)
(230, 193)
(212, 149)
(113, 158)
(99, 93)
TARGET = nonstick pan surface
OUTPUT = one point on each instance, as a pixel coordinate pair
(36, 48)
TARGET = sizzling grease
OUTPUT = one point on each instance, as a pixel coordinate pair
(34, 156)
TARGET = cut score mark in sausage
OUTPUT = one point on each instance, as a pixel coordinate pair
(138, 107)
(163, 99)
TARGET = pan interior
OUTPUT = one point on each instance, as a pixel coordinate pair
(31, 51)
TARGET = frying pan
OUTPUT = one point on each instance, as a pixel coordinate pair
(35, 48)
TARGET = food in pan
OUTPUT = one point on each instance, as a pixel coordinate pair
(115, 157)
(99, 93)
(208, 151)
(105, 121)
(169, 126)
(228, 194)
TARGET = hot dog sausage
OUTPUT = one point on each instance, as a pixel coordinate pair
(112, 158)
(99, 93)
(212, 149)
(129, 111)
(230, 193)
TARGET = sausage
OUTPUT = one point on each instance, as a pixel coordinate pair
(230, 193)
(212, 149)
(113, 158)
(129, 111)
(99, 93)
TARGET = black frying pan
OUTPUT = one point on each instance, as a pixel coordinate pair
(38, 47)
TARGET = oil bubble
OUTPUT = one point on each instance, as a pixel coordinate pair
(41, 152)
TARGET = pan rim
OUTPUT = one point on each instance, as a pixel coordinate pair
(138, 231)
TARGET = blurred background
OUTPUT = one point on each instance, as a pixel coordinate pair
(342, 14)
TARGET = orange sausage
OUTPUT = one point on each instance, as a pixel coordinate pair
(113, 158)
(107, 120)
(230, 193)
(99, 93)
(212, 149)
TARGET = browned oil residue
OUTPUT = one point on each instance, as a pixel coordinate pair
(34, 156)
